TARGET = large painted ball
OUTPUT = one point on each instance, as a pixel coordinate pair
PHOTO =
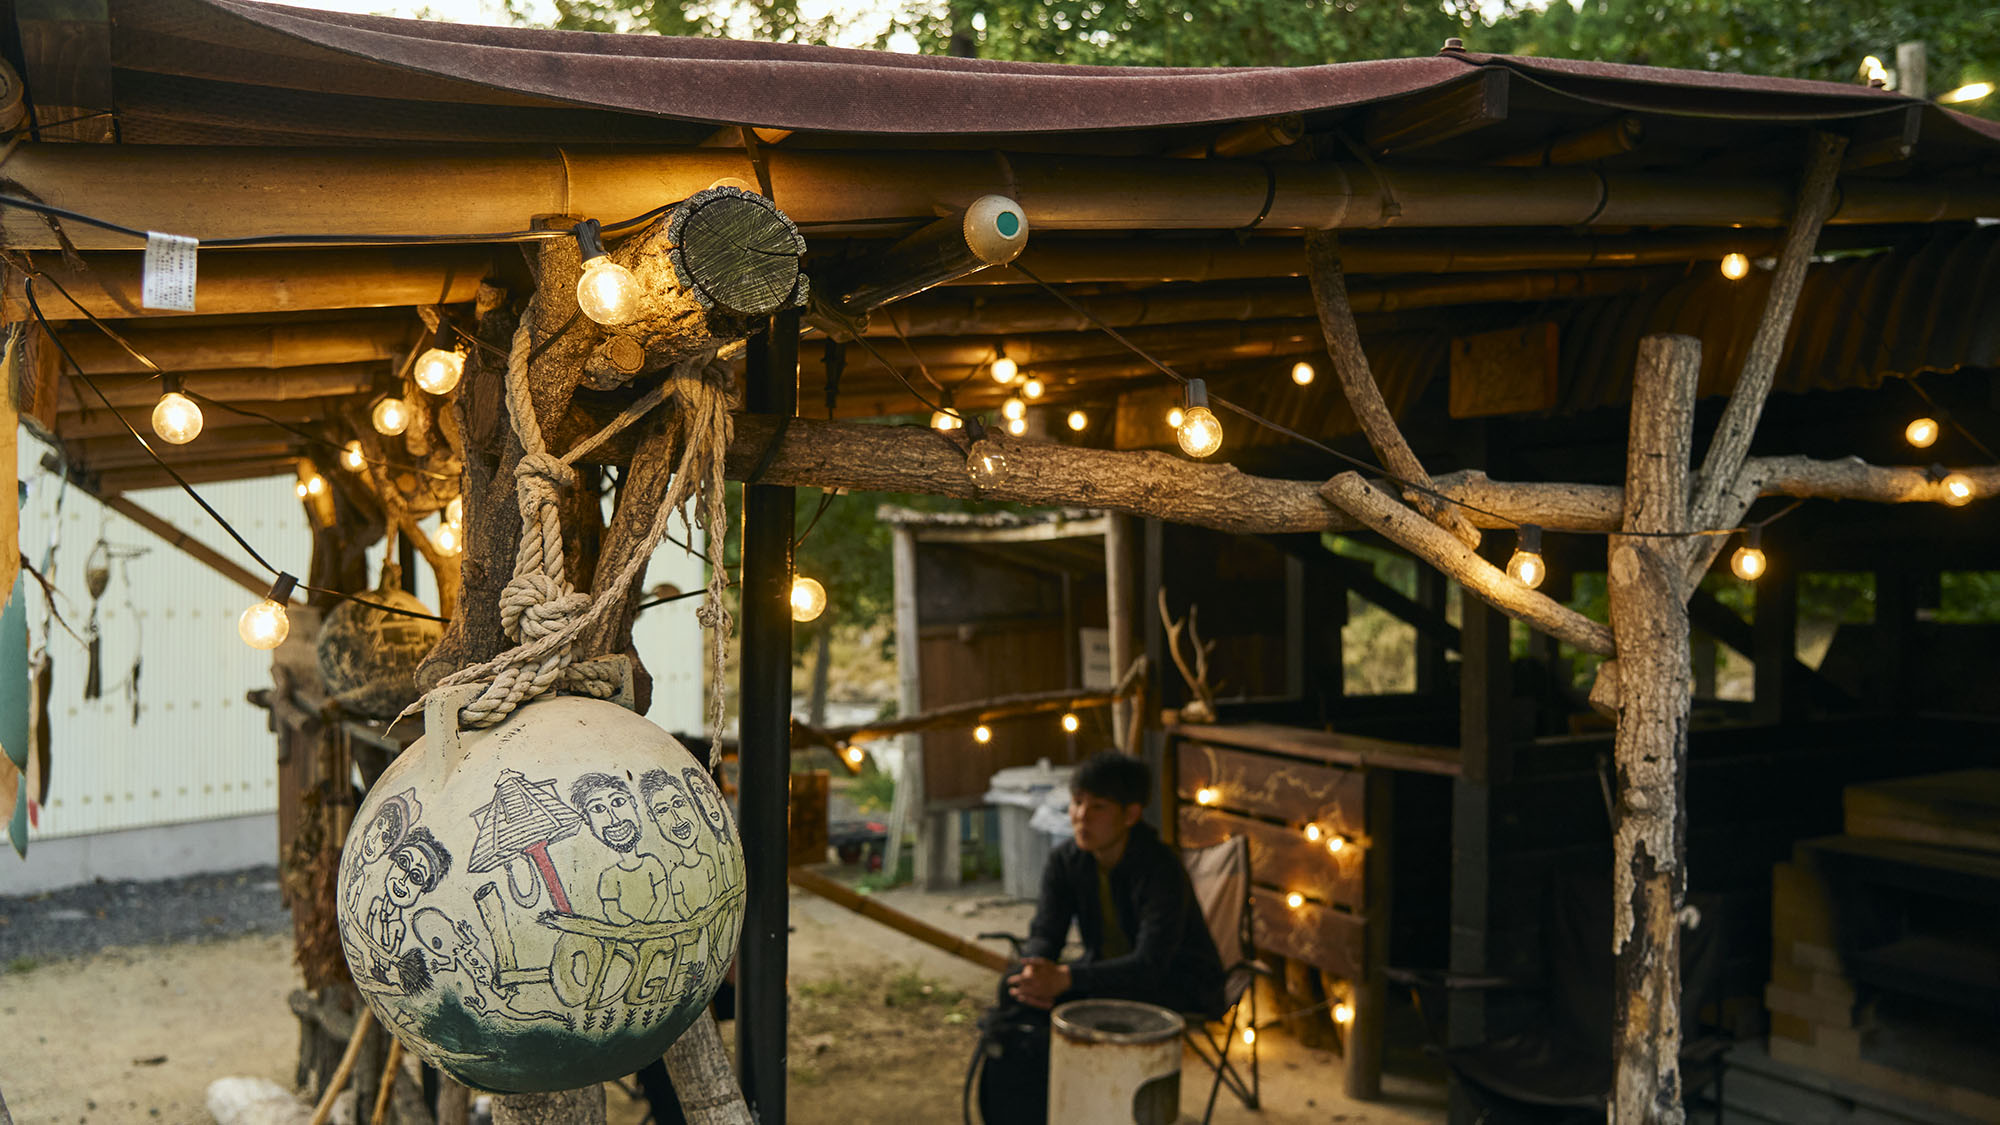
(368, 657)
(544, 904)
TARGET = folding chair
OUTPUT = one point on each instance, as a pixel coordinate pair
(1221, 877)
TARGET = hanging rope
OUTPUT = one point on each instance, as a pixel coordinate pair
(539, 608)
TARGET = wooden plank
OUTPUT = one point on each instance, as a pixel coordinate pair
(1884, 138)
(1332, 941)
(1959, 809)
(1509, 371)
(1281, 857)
(1429, 119)
(66, 53)
(1328, 747)
(1291, 791)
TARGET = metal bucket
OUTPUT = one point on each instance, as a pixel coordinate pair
(1114, 1061)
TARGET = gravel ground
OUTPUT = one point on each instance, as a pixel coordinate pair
(78, 921)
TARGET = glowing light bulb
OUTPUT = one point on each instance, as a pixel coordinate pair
(853, 755)
(1748, 563)
(1078, 419)
(1735, 267)
(1970, 92)
(1295, 900)
(1200, 432)
(1334, 844)
(1957, 489)
(300, 489)
(312, 485)
(449, 540)
(1526, 565)
(351, 457)
(1302, 373)
(945, 421)
(982, 734)
(1070, 722)
(1175, 417)
(1032, 389)
(987, 463)
(1314, 832)
(454, 512)
(1005, 370)
(1343, 1013)
(263, 625)
(1206, 795)
(1249, 1036)
(808, 598)
(1013, 408)
(438, 370)
(607, 292)
(1017, 426)
(391, 416)
(1921, 432)
(1872, 70)
(176, 418)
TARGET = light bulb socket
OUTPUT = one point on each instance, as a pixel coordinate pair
(444, 339)
(172, 383)
(589, 239)
(974, 430)
(1197, 394)
(281, 590)
(1530, 538)
(1936, 473)
(1753, 538)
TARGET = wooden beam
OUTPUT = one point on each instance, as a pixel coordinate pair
(1438, 115)
(1647, 582)
(192, 344)
(210, 192)
(841, 895)
(290, 384)
(1884, 138)
(103, 455)
(66, 57)
(1720, 622)
(1610, 138)
(87, 423)
(262, 281)
(115, 481)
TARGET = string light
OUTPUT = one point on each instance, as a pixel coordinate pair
(351, 457)
(1957, 489)
(1526, 565)
(1017, 426)
(1334, 844)
(454, 511)
(264, 625)
(1200, 431)
(1295, 900)
(1343, 1013)
(1175, 418)
(1735, 267)
(1032, 389)
(1004, 369)
(853, 754)
(1206, 795)
(987, 462)
(1070, 722)
(1748, 563)
(1013, 408)
(607, 292)
(439, 368)
(1922, 432)
(1078, 420)
(311, 485)
(808, 598)
(982, 734)
(448, 540)
(391, 416)
(1970, 92)
(1302, 373)
(1314, 832)
(175, 417)
(1249, 1036)
(1872, 70)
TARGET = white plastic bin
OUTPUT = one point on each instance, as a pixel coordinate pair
(1024, 849)
(1114, 1061)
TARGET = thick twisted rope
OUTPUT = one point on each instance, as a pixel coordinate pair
(539, 608)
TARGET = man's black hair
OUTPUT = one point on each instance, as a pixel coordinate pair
(1114, 777)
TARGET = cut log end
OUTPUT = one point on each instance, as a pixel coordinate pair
(738, 252)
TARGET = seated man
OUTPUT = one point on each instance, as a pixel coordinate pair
(1143, 934)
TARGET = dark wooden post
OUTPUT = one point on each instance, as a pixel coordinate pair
(1776, 629)
(1647, 579)
(1363, 1077)
(764, 761)
(1485, 709)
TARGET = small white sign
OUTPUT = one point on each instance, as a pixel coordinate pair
(1095, 646)
(167, 278)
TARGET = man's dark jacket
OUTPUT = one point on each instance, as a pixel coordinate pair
(1173, 962)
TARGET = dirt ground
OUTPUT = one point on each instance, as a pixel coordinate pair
(881, 1029)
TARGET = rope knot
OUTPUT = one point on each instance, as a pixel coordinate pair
(544, 470)
(533, 606)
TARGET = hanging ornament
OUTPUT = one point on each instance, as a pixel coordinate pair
(368, 656)
(543, 904)
(97, 578)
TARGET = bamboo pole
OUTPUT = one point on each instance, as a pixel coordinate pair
(1404, 527)
(838, 894)
(1648, 592)
(256, 281)
(362, 1020)
(1350, 362)
(392, 1067)
(251, 384)
(210, 192)
(87, 421)
(198, 344)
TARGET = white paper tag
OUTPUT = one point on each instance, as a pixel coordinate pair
(167, 280)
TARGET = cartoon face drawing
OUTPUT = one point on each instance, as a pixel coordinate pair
(385, 831)
(607, 805)
(438, 937)
(417, 866)
(707, 800)
(669, 805)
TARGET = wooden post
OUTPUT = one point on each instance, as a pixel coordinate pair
(1122, 602)
(1370, 998)
(1775, 639)
(1649, 620)
(908, 808)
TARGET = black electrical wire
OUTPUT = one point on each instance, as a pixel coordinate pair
(1946, 417)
